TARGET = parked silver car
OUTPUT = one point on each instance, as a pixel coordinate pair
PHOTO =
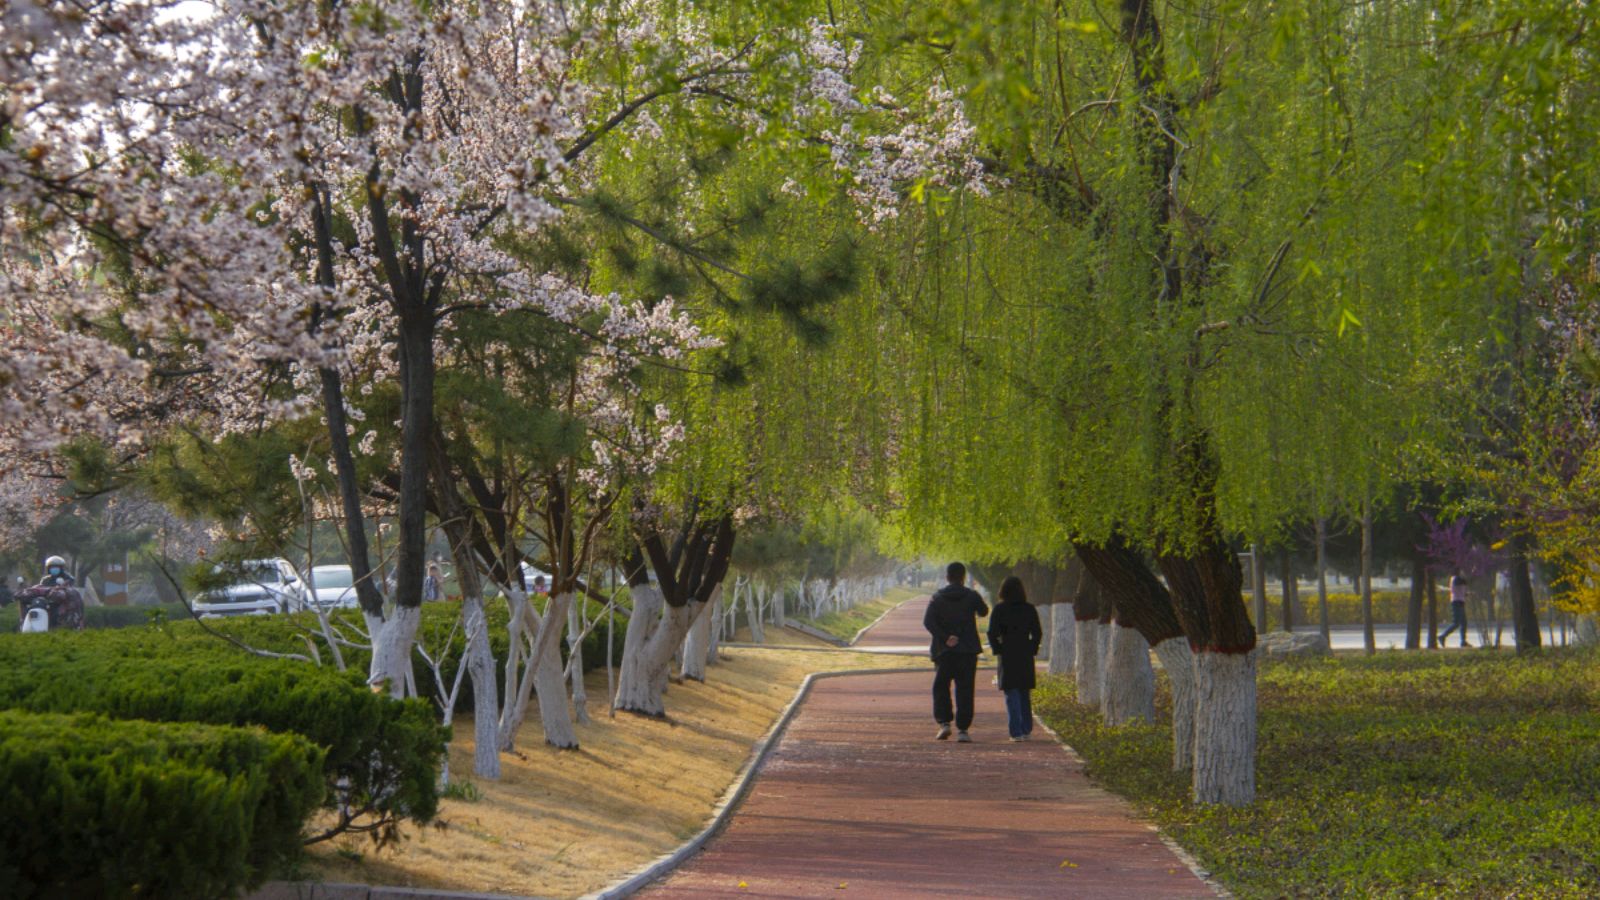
(333, 587)
(264, 586)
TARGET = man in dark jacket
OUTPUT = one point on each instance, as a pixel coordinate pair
(952, 619)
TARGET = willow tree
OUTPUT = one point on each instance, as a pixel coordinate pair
(1193, 248)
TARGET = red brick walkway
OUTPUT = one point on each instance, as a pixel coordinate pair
(859, 799)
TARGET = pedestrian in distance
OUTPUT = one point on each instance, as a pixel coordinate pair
(952, 619)
(1458, 608)
(1014, 636)
(432, 584)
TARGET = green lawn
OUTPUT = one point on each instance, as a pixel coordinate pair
(844, 625)
(1459, 775)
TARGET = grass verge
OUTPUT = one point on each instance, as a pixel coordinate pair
(845, 624)
(1431, 775)
(565, 823)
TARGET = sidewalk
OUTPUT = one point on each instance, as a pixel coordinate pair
(858, 798)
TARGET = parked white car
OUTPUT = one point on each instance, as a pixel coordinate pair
(333, 587)
(265, 586)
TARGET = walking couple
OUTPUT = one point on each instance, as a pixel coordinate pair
(1014, 635)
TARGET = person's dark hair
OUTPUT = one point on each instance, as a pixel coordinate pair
(1011, 591)
(956, 573)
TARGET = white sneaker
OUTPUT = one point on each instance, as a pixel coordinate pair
(1018, 740)
(962, 738)
(944, 733)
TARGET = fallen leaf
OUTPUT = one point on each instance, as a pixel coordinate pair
(1067, 864)
(842, 885)
(743, 885)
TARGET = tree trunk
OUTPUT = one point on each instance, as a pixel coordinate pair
(391, 650)
(485, 701)
(1524, 618)
(1144, 606)
(1063, 639)
(1366, 579)
(550, 678)
(643, 622)
(1419, 573)
(1433, 610)
(780, 614)
(1086, 623)
(1177, 660)
(758, 633)
(1102, 634)
(1130, 689)
(697, 643)
(1258, 587)
(580, 693)
(1286, 584)
(642, 683)
(1322, 580)
(1225, 729)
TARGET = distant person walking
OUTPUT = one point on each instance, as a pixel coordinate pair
(432, 584)
(1014, 635)
(1458, 608)
(952, 619)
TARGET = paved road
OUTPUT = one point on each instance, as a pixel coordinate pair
(859, 799)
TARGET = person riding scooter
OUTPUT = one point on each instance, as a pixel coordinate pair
(56, 575)
(56, 596)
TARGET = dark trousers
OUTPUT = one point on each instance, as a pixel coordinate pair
(961, 668)
(1458, 616)
(1019, 711)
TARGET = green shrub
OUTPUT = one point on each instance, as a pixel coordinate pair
(107, 616)
(98, 808)
(382, 755)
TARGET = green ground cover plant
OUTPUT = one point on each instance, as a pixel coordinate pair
(846, 623)
(382, 756)
(103, 808)
(1460, 775)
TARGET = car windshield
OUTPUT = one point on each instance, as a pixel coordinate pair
(261, 575)
(335, 577)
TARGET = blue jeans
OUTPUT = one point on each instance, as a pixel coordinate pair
(1458, 616)
(1019, 711)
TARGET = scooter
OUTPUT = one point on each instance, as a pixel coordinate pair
(50, 608)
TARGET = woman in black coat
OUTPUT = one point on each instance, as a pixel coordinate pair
(1014, 635)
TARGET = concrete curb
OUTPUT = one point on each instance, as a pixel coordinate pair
(815, 632)
(1183, 855)
(735, 794)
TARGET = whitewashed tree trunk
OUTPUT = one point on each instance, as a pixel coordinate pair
(779, 612)
(580, 694)
(1086, 663)
(644, 678)
(697, 643)
(1047, 615)
(642, 624)
(391, 650)
(550, 680)
(1225, 728)
(714, 651)
(1103, 635)
(1177, 660)
(753, 610)
(485, 700)
(1130, 692)
(1062, 636)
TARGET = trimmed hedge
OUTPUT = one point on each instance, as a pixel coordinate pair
(100, 808)
(382, 756)
(107, 616)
